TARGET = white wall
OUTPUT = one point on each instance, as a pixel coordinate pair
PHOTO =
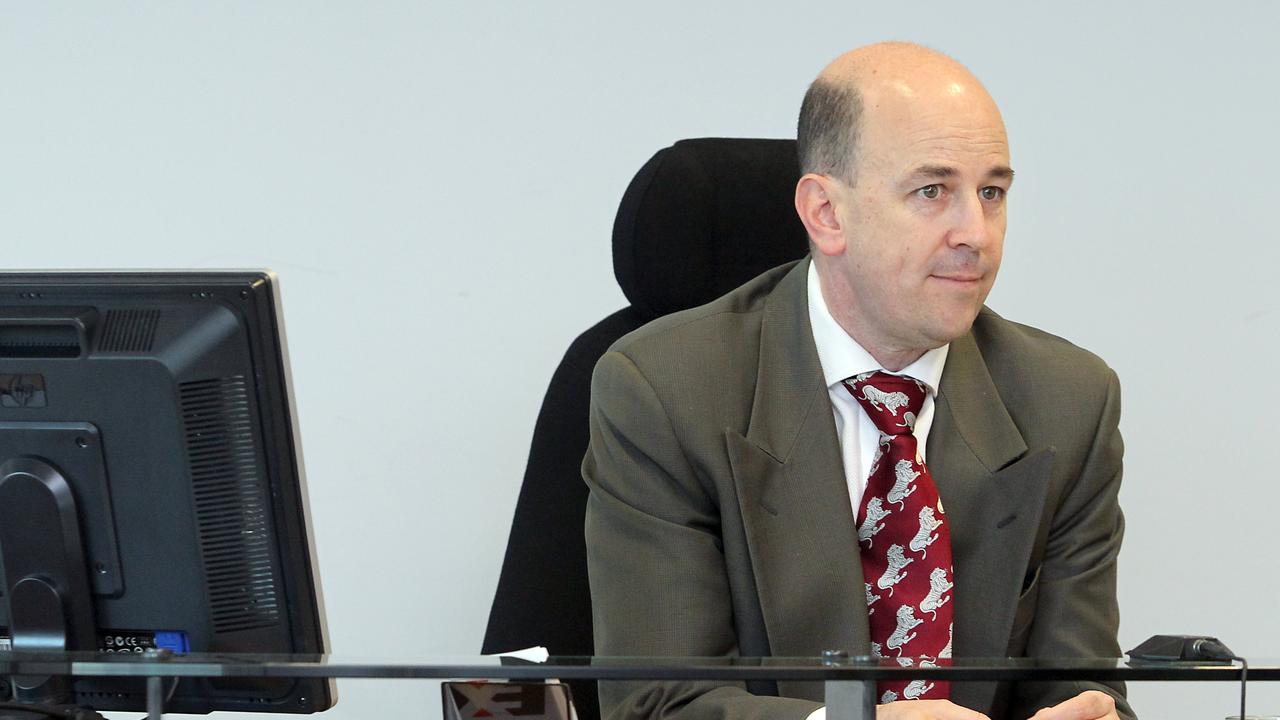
(435, 183)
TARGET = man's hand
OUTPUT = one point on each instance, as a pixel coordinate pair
(926, 710)
(1088, 705)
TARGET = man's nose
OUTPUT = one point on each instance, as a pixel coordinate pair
(970, 227)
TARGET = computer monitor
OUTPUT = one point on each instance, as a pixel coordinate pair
(151, 490)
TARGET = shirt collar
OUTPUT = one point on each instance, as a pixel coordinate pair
(841, 356)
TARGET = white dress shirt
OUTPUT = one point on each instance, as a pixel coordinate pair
(841, 356)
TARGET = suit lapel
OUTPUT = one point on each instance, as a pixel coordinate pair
(993, 492)
(793, 496)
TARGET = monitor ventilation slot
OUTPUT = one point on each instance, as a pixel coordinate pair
(129, 331)
(231, 509)
(42, 340)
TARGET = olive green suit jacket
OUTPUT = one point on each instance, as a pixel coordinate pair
(719, 520)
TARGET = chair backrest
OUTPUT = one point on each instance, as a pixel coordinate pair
(700, 218)
(703, 217)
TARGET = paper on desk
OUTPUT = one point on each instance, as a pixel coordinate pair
(536, 654)
(539, 654)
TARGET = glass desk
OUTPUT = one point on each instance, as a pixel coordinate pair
(850, 682)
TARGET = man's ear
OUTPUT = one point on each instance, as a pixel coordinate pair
(816, 197)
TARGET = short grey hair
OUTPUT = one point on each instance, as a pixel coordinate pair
(828, 130)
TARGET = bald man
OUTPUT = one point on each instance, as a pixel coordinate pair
(736, 448)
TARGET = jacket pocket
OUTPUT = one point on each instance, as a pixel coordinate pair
(1025, 614)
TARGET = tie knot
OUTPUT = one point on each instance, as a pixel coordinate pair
(892, 401)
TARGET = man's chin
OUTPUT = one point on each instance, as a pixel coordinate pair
(952, 328)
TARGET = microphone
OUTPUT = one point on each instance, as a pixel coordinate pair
(1185, 648)
(1194, 648)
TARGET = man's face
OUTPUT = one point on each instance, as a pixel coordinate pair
(924, 222)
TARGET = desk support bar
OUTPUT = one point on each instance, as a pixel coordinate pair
(851, 699)
(155, 698)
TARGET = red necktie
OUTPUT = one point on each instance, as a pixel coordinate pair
(904, 541)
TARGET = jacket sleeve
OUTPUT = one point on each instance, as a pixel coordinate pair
(654, 556)
(1077, 614)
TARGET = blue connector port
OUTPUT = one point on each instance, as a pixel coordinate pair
(174, 641)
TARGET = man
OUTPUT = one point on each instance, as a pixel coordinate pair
(744, 455)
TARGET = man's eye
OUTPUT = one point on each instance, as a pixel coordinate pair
(991, 193)
(930, 192)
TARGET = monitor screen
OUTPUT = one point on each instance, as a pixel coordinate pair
(151, 490)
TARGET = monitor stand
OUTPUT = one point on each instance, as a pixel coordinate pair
(44, 584)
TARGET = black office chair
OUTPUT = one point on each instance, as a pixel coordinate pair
(699, 219)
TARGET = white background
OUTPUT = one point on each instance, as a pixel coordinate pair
(436, 183)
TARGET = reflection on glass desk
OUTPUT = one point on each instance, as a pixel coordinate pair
(619, 668)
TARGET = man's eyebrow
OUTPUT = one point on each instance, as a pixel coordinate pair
(941, 172)
(933, 171)
(1003, 172)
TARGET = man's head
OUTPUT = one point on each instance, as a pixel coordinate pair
(906, 168)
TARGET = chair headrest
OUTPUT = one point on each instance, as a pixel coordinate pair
(703, 217)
